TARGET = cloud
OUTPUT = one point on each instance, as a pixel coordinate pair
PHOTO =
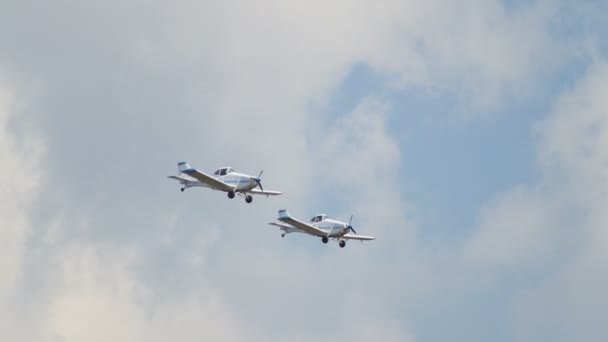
(575, 142)
(98, 298)
(360, 167)
(19, 179)
(516, 231)
(557, 229)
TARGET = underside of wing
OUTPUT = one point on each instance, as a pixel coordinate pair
(212, 182)
(264, 192)
(358, 237)
(303, 226)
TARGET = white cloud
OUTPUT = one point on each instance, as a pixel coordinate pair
(560, 225)
(515, 231)
(575, 142)
(358, 161)
(19, 178)
(98, 297)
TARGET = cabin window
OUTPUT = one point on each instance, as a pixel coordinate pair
(317, 218)
(223, 172)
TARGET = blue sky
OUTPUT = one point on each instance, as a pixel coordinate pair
(452, 162)
(470, 138)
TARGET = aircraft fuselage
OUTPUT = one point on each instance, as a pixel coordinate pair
(240, 181)
(332, 227)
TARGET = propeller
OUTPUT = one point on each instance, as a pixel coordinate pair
(350, 226)
(259, 180)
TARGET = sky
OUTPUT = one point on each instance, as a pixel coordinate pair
(471, 138)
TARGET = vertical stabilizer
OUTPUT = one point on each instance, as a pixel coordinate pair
(284, 214)
(181, 166)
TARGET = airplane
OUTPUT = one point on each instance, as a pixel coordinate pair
(224, 179)
(320, 226)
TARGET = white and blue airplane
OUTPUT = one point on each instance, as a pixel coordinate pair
(224, 179)
(319, 226)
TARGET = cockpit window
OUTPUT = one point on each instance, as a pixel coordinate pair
(217, 173)
(222, 172)
(317, 218)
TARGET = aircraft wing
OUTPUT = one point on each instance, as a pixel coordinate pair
(358, 237)
(264, 192)
(285, 217)
(212, 182)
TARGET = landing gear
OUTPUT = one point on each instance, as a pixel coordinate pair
(283, 235)
(325, 239)
(342, 243)
(182, 189)
(248, 199)
(231, 194)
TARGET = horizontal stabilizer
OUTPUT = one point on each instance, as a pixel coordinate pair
(281, 225)
(179, 178)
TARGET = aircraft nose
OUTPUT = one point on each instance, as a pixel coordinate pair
(350, 227)
(258, 180)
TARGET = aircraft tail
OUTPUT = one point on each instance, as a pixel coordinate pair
(283, 214)
(181, 166)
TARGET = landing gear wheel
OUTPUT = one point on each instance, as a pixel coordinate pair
(324, 239)
(283, 235)
(342, 243)
(182, 189)
(248, 199)
(230, 194)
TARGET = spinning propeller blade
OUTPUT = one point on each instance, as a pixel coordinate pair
(259, 180)
(350, 226)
